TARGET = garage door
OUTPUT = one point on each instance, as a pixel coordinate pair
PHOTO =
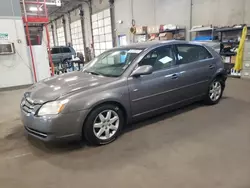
(61, 36)
(77, 38)
(102, 31)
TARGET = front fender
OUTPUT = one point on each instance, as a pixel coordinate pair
(120, 98)
(88, 102)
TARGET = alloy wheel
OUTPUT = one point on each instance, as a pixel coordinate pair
(106, 124)
(215, 91)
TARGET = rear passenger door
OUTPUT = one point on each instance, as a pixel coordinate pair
(196, 68)
(56, 55)
(66, 53)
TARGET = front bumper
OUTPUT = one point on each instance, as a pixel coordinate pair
(54, 127)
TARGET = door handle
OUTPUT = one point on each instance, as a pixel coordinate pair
(211, 66)
(174, 76)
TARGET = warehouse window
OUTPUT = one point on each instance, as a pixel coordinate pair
(102, 31)
(51, 39)
(188, 53)
(77, 38)
(61, 36)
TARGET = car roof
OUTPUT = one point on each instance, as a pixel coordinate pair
(62, 47)
(153, 44)
(147, 44)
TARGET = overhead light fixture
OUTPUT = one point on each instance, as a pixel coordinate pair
(35, 9)
(54, 2)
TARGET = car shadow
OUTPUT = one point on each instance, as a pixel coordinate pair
(166, 115)
(129, 147)
(56, 147)
(64, 147)
(61, 147)
(161, 117)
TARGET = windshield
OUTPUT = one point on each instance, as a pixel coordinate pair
(112, 63)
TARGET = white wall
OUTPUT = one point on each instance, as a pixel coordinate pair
(15, 70)
(150, 13)
(156, 12)
(221, 12)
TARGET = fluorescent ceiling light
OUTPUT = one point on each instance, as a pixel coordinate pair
(55, 2)
(35, 9)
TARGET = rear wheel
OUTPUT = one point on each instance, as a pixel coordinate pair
(215, 92)
(64, 65)
(103, 125)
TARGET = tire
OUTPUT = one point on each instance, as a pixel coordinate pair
(97, 127)
(64, 61)
(215, 92)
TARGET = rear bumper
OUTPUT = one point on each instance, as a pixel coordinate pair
(224, 77)
(62, 127)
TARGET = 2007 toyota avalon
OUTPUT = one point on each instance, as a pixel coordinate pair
(122, 85)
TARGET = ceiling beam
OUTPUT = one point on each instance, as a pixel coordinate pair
(68, 6)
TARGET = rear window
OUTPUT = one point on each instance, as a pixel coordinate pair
(188, 53)
(66, 50)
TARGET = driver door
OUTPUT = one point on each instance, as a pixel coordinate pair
(149, 93)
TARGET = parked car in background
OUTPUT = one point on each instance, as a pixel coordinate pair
(60, 54)
(120, 86)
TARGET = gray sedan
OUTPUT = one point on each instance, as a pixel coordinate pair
(120, 86)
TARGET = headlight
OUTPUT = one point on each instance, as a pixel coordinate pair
(52, 108)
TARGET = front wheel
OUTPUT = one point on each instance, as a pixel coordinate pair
(215, 92)
(103, 125)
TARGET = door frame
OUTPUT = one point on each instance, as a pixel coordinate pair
(203, 82)
(134, 65)
(164, 76)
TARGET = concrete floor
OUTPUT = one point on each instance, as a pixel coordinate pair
(196, 147)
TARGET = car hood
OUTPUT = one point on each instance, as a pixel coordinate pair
(52, 88)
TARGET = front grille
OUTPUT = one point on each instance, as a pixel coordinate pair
(29, 106)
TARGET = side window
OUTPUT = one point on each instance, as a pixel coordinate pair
(160, 58)
(66, 50)
(188, 53)
(55, 51)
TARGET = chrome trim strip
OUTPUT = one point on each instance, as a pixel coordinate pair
(35, 132)
(168, 105)
(162, 93)
(29, 100)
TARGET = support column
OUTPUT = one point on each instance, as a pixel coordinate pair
(113, 25)
(83, 34)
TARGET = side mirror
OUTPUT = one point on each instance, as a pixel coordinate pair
(142, 70)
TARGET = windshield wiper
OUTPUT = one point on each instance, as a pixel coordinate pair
(95, 73)
(109, 75)
(92, 72)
